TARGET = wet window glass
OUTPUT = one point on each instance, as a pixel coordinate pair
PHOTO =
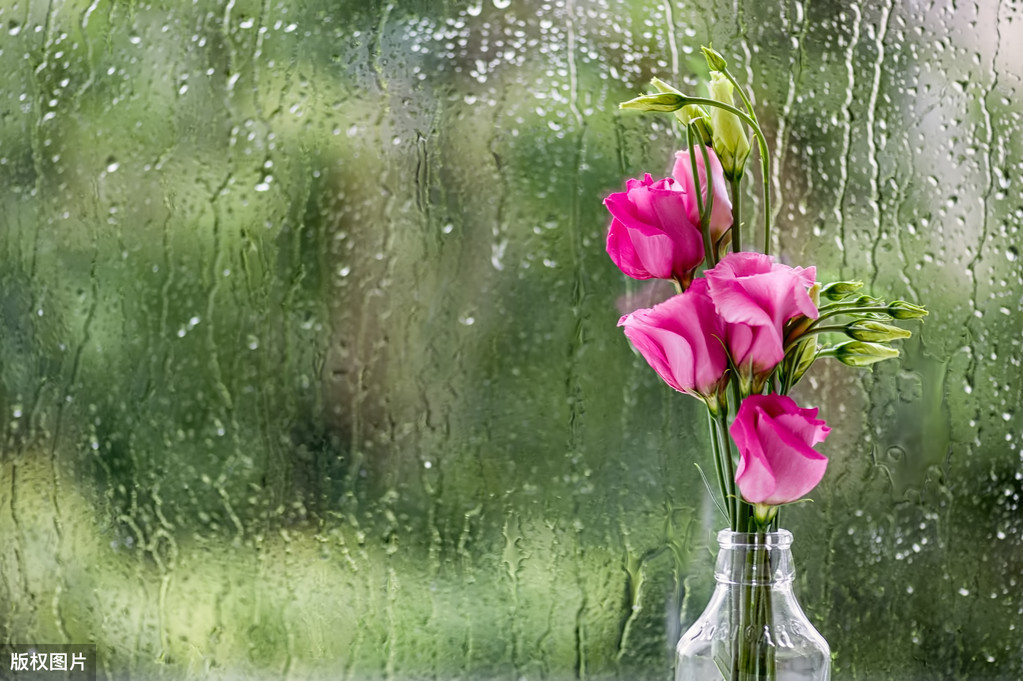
(309, 365)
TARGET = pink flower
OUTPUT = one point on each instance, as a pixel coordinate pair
(651, 235)
(721, 211)
(757, 296)
(775, 437)
(681, 339)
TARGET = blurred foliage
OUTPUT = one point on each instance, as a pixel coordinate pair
(308, 358)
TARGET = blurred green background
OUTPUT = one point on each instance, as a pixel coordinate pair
(308, 357)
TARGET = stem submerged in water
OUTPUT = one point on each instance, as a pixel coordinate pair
(754, 659)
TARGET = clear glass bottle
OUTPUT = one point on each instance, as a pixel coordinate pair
(753, 629)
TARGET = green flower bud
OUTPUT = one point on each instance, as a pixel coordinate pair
(714, 59)
(900, 309)
(807, 355)
(730, 141)
(688, 113)
(875, 332)
(662, 86)
(661, 101)
(860, 354)
(840, 289)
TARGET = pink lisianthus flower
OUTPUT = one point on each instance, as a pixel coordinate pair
(651, 235)
(721, 211)
(757, 296)
(775, 438)
(682, 340)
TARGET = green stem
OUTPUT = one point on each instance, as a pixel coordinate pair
(754, 660)
(742, 95)
(765, 161)
(708, 246)
(790, 368)
(706, 215)
(765, 657)
(736, 215)
(728, 466)
(736, 241)
(716, 445)
(848, 309)
(748, 609)
(813, 331)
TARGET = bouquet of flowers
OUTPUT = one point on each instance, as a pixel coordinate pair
(743, 328)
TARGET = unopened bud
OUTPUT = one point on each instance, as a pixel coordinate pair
(875, 332)
(714, 59)
(663, 86)
(900, 309)
(840, 289)
(689, 113)
(807, 355)
(661, 101)
(860, 354)
(730, 141)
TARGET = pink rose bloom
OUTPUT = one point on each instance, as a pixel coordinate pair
(757, 296)
(680, 339)
(775, 437)
(721, 211)
(651, 235)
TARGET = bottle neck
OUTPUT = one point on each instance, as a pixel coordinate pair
(754, 558)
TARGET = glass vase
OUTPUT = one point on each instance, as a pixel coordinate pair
(753, 628)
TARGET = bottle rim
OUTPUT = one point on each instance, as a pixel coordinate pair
(780, 539)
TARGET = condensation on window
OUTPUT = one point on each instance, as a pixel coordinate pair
(309, 365)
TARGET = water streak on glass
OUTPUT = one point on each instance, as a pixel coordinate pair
(309, 365)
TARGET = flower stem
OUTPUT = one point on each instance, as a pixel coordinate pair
(813, 331)
(849, 309)
(742, 95)
(728, 466)
(709, 252)
(716, 444)
(736, 215)
(765, 160)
